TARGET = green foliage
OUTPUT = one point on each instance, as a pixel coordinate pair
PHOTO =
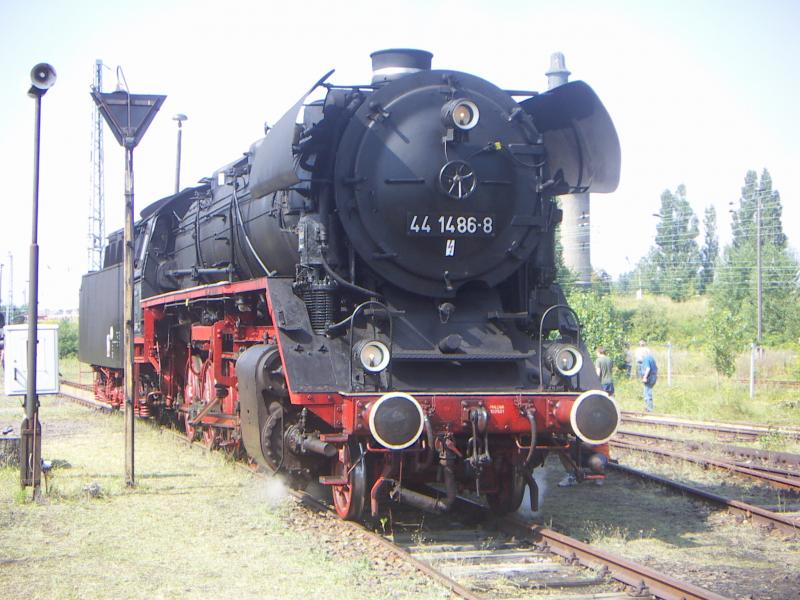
(743, 225)
(724, 335)
(67, 338)
(601, 324)
(733, 318)
(673, 261)
(601, 282)
(649, 323)
(709, 253)
(736, 290)
(773, 441)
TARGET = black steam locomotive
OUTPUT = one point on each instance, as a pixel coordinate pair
(366, 298)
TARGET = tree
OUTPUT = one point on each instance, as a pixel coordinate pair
(601, 323)
(67, 338)
(674, 259)
(735, 290)
(735, 286)
(744, 218)
(649, 323)
(709, 253)
(724, 330)
(601, 282)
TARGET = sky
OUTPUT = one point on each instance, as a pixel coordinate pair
(700, 92)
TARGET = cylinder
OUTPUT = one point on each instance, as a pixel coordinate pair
(317, 446)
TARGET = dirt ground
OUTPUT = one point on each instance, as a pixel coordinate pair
(195, 525)
(673, 533)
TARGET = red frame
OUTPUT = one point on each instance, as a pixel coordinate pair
(343, 411)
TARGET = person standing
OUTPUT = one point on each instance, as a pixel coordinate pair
(648, 373)
(604, 367)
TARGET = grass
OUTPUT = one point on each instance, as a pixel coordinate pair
(698, 393)
(194, 526)
(72, 369)
(710, 400)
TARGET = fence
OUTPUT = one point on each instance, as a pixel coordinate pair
(759, 367)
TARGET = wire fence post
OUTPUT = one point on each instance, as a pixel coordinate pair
(752, 370)
(669, 364)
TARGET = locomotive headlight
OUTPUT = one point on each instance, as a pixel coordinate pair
(373, 355)
(461, 114)
(565, 358)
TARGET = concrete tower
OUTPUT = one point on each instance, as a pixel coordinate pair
(575, 226)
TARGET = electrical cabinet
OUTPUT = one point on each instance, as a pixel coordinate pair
(16, 360)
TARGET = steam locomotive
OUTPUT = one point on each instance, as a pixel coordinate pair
(367, 297)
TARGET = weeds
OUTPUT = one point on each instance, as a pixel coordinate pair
(773, 441)
(96, 538)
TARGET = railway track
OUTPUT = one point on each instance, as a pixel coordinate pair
(770, 520)
(510, 557)
(777, 469)
(782, 479)
(75, 384)
(500, 558)
(736, 430)
(787, 463)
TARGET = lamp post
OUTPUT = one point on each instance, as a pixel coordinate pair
(180, 118)
(43, 76)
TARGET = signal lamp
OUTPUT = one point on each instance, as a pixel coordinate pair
(565, 358)
(460, 114)
(373, 355)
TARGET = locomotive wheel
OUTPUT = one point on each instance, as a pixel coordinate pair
(210, 437)
(191, 432)
(349, 498)
(511, 490)
(272, 437)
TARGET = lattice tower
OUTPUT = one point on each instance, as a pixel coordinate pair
(97, 202)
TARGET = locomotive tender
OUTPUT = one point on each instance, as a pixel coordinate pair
(366, 298)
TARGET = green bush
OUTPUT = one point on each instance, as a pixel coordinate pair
(650, 324)
(67, 338)
(601, 324)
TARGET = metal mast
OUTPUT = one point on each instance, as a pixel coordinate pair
(97, 202)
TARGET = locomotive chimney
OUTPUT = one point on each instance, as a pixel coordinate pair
(558, 73)
(388, 65)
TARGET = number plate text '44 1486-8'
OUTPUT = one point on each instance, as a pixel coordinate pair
(450, 225)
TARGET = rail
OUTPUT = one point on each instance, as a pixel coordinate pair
(751, 430)
(642, 579)
(771, 520)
